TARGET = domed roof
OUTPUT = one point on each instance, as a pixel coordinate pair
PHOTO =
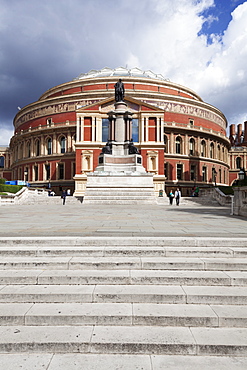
(120, 71)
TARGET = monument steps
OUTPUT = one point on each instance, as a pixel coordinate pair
(170, 294)
(120, 192)
(121, 251)
(124, 340)
(115, 196)
(75, 361)
(153, 314)
(133, 296)
(124, 262)
(119, 277)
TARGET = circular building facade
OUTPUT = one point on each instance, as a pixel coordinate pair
(58, 138)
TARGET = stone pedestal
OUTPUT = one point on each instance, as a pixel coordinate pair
(120, 188)
(120, 177)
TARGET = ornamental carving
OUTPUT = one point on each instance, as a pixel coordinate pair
(190, 110)
(53, 109)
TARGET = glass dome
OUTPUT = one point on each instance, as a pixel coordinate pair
(120, 71)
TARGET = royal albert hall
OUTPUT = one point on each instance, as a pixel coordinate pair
(58, 139)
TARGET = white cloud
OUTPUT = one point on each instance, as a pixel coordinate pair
(217, 71)
(5, 135)
(46, 43)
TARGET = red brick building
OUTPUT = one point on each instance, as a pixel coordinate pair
(238, 151)
(58, 139)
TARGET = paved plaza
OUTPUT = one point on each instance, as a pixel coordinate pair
(148, 287)
(189, 219)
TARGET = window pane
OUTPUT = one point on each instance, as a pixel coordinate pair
(61, 171)
(192, 172)
(1, 162)
(179, 171)
(238, 162)
(49, 147)
(62, 144)
(105, 129)
(135, 130)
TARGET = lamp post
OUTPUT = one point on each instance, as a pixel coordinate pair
(25, 175)
(241, 177)
(241, 174)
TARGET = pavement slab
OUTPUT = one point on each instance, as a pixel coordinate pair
(141, 339)
(198, 362)
(226, 341)
(46, 293)
(193, 220)
(100, 361)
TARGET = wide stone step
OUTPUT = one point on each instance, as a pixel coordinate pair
(142, 251)
(75, 361)
(127, 201)
(126, 242)
(230, 295)
(134, 191)
(123, 314)
(119, 262)
(124, 340)
(114, 277)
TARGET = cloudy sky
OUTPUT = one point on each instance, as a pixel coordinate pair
(201, 44)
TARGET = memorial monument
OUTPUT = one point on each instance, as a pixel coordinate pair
(120, 176)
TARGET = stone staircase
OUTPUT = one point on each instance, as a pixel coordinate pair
(120, 188)
(123, 303)
(134, 195)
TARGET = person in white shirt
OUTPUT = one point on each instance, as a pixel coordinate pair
(177, 196)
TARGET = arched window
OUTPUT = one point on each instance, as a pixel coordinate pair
(28, 149)
(192, 146)
(238, 162)
(203, 148)
(20, 151)
(178, 145)
(166, 170)
(37, 148)
(47, 171)
(166, 144)
(2, 162)
(219, 152)
(62, 144)
(49, 146)
(211, 150)
(204, 174)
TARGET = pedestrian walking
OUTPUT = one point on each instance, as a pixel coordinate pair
(177, 196)
(63, 196)
(171, 196)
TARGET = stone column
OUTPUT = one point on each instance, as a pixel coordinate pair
(69, 138)
(54, 144)
(186, 144)
(78, 138)
(146, 128)
(93, 128)
(42, 149)
(142, 129)
(172, 143)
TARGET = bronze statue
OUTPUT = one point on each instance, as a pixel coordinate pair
(119, 91)
(132, 149)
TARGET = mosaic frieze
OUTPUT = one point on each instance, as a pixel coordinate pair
(167, 106)
(53, 109)
(190, 110)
